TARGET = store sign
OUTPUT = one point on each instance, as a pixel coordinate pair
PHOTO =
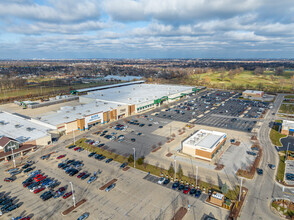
(93, 118)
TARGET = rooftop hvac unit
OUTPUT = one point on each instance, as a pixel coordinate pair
(66, 117)
(67, 111)
(17, 126)
(2, 122)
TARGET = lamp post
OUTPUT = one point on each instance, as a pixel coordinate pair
(196, 175)
(73, 134)
(240, 189)
(287, 151)
(134, 157)
(13, 157)
(175, 168)
(73, 195)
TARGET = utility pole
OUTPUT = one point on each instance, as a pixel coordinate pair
(73, 195)
(134, 157)
(196, 175)
(240, 189)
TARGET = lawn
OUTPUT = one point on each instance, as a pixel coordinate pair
(289, 96)
(287, 109)
(244, 80)
(157, 171)
(281, 168)
(275, 137)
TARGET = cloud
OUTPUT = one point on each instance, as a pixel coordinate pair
(146, 28)
(53, 11)
(175, 11)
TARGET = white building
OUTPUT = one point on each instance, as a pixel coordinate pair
(204, 144)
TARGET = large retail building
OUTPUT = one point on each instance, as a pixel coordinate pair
(204, 144)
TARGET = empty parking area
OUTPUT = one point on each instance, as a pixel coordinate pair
(139, 133)
(228, 123)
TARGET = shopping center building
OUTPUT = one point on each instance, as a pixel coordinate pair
(204, 144)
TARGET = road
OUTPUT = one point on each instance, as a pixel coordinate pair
(263, 188)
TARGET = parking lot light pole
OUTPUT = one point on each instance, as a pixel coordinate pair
(287, 151)
(13, 157)
(134, 157)
(175, 169)
(196, 175)
(240, 189)
(73, 134)
(73, 195)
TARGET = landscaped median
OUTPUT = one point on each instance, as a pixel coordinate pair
(281, 167)
(155, 170)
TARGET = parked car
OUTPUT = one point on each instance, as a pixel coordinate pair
(84, 216)
(259, 171)
(61, 156)
(192, 191)
(198, 193)
(10, 179)
(186, 189)
(39, 190)
(65, 196)
(161, 180)
(71, 146)
(26, 166)
(110, 187)
(28, 170)
(251, 153)
(272, 166)
(133, 139)
(109, 160)
(123, 165)
(85, 176)
(81, 174)
(181, 187)
(175, 185)
(92, 179)
(91, 154)
(166, 181)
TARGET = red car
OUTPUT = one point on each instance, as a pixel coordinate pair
(39, 190)
(67, 195)
(187, 189)
(9, 179)
(81, 174)
(25, 218)
(61, 189)
(61, 156)
(37, 177)
(77, 148)
(40, 178)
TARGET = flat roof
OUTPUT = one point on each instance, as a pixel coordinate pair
(109, 86)
(136, 94)
(253, 91)
(71, 113)
(21, 129)
(204, 139)
(288, 124)
(123, 78)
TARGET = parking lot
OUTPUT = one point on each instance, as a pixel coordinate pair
(144, 134)
(289, 172)
(132, 198)
(217, 109)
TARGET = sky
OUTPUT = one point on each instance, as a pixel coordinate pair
(76, 29)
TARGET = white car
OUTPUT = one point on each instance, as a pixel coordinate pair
(161, 180)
